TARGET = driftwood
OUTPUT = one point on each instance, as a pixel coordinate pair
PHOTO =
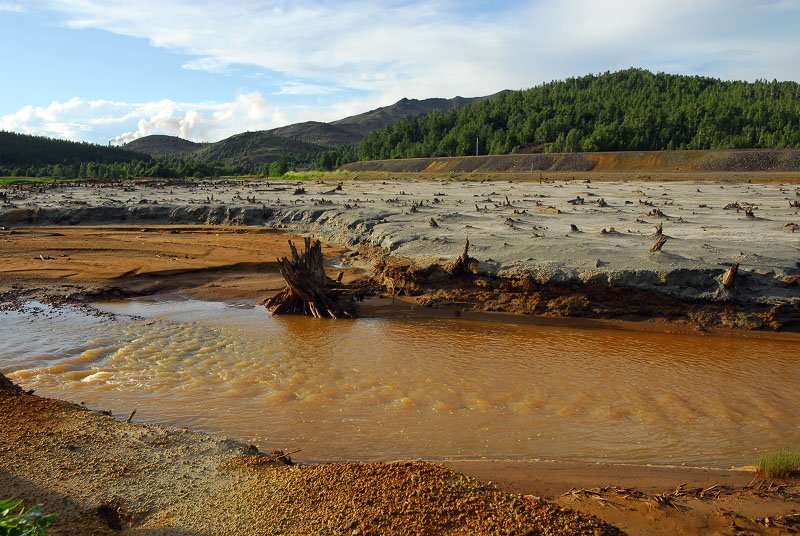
(308, 290)
(789, 279)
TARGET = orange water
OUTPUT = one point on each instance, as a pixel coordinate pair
(385, 389)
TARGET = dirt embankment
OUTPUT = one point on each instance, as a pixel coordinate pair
(750, 160)
(556, 248)
(475, 289)
(103, 476)
(74, 264)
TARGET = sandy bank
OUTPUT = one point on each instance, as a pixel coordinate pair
(565, 248)
(72, 264)
(653, 500)
(102, 476)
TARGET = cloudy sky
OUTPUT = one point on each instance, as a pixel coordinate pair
(103, 70)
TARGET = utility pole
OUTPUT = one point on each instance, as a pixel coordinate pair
(476, 145)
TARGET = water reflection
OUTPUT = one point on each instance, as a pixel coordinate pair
(378, 389)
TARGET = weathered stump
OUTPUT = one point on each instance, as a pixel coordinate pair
(659, 243)
(308, 290)
(461, 265)
(727, 279)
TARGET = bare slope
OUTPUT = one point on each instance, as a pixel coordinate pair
(378, 118)
(744, 160)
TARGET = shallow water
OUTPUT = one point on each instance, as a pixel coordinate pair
(407, 388)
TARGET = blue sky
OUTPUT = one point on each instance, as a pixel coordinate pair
(102, 70)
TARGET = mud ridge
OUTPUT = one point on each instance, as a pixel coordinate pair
(435, 285)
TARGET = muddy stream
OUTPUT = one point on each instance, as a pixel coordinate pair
(378, 389)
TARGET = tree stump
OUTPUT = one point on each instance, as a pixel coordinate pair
(461, 265)
(727, 279)
(308, 290)
(659, 243)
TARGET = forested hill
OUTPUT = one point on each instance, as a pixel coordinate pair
(622, 111)
(25, 150)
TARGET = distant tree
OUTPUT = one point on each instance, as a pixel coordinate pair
(279, 167)
(327, 160)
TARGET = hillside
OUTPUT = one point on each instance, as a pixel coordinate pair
(743, 160)
(379, 118)
(300, 139)
(256, 148)
(159, 145)
(26, 150)
(324, 134)
(632, 110)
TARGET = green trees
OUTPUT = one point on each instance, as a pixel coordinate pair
(626, 110)
(279, 167)
(29, 150)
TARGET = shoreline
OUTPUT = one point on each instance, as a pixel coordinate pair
(52, 456)
(560, 249)
(102, 475)
(244, 268)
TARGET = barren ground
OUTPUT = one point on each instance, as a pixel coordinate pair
(98, 473)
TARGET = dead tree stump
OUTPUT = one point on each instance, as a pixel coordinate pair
(659, 243)
(461, 265)
(727, 279)
(308, 290)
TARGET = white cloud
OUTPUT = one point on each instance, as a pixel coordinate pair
(11, 7)
(299, 88)
(212, 65)
(78, 119)
(442, 48)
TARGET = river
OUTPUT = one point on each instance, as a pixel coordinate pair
(380, 389)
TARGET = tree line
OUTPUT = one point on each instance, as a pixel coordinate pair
(627, 110)
(23, 155)
(26, 150)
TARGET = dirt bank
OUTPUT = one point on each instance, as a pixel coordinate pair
(101, 475)
(646, 162)
(654, 500)
(75, 264)
(559, 248)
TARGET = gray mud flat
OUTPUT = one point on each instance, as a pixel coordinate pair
(562, 236)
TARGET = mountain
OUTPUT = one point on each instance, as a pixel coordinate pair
(379, 118)
(324, 134)
(352, 130)
(159, 145)
(630, 110)
(299, 139)
(257, 148)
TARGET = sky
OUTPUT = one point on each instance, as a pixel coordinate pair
(110, 71)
